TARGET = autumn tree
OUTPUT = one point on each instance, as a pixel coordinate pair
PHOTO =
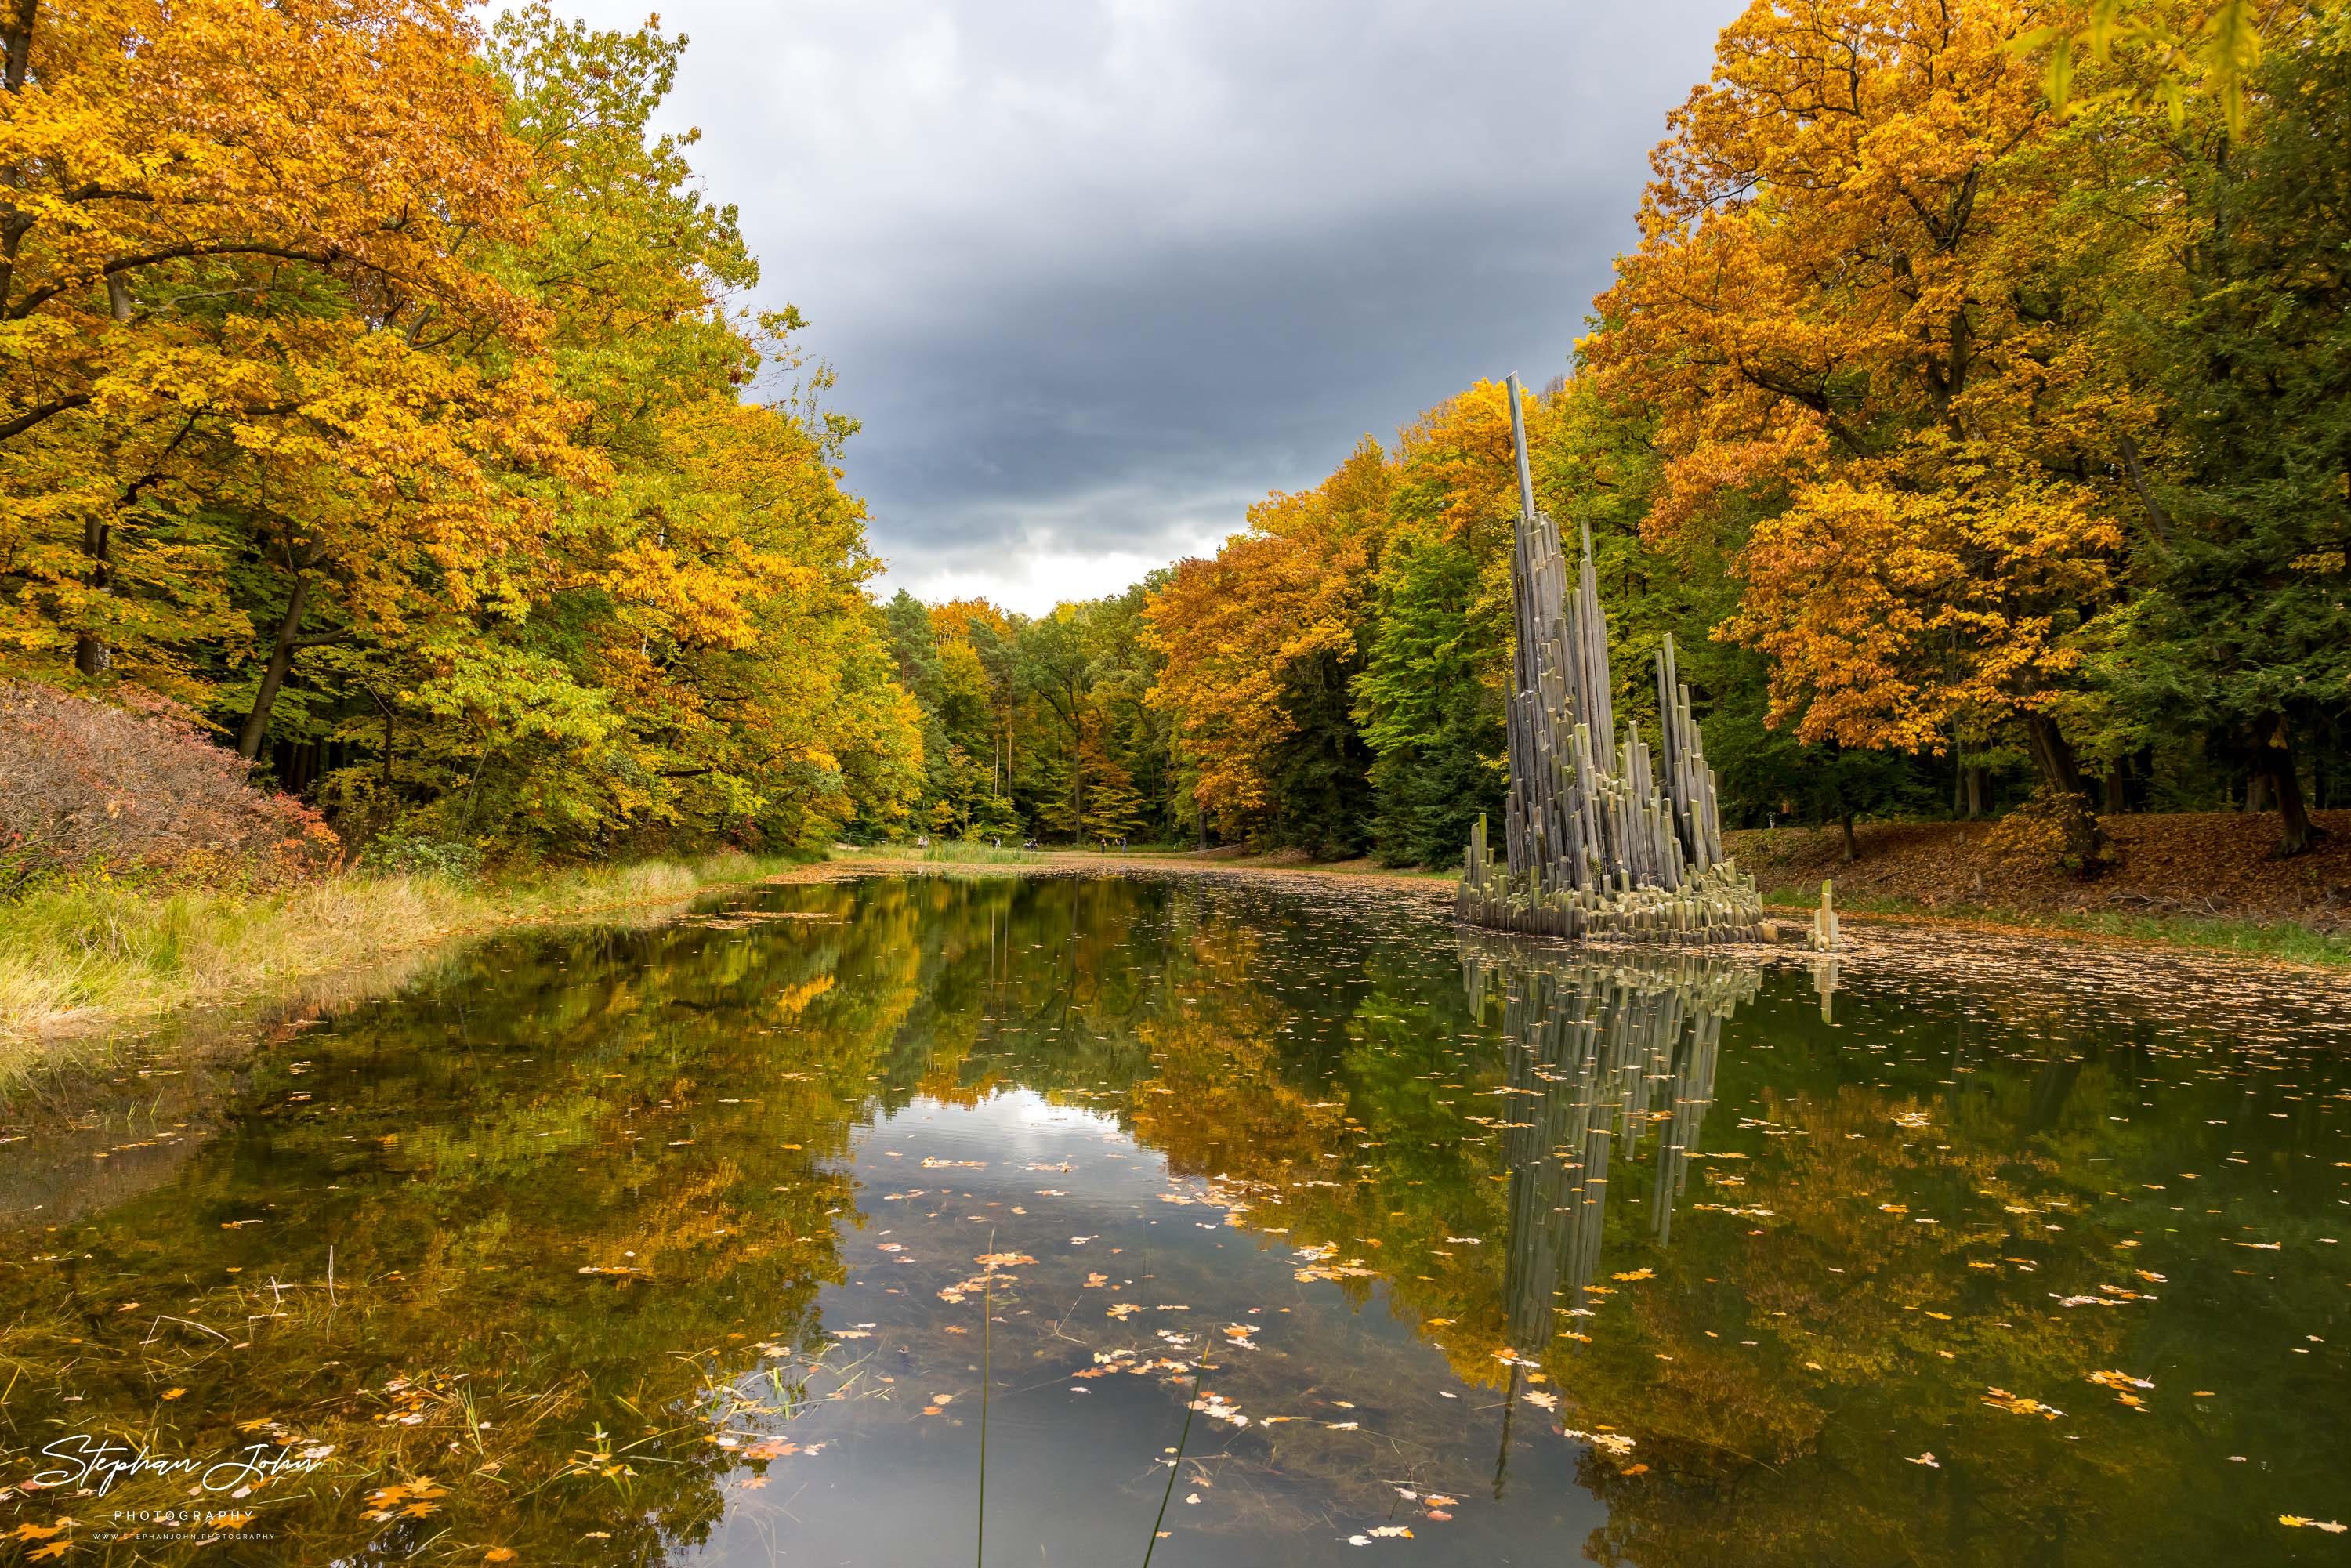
(1869, 284)
(1262, 644)
(1431, 694)
(381, 388)
(245, 263)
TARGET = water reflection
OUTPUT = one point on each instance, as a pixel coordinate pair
(1600, 1052)
(676, 1245)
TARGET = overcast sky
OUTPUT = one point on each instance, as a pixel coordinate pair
(1097, 274)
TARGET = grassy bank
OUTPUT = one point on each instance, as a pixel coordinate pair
(76, 961)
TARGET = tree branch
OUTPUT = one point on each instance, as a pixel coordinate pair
(2157, 518)
(42, 296)
(25, 422)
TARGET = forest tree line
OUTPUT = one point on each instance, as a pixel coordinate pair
(1982, 453)
(1974, 411)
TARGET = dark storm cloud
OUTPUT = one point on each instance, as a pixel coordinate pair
(1094, 276)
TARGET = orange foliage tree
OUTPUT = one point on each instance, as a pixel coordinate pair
(1872, 272)
(1266, 629)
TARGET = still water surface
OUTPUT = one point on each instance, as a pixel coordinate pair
(722, 1243)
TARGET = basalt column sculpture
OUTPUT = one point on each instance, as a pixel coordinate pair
(1602, 836)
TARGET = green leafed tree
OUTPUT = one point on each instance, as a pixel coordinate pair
(2245, 633)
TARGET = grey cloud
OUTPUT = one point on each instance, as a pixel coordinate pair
(1095, 276)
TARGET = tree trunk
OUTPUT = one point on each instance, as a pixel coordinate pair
(273, 675)
(2257, 789)
(2118, 791)
(1852, 847)
(1077, 771)
(91, 655)
(2053, 759)
(2273, 765)
(1975, 779)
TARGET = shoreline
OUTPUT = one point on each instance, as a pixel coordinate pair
(136, 965)
(2279, 941)
(86, 972)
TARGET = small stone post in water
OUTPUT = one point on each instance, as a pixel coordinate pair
(1824, 921)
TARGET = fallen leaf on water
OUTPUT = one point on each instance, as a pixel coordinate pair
(2002, 1399)
(1928, 1459)
(2295, 1519)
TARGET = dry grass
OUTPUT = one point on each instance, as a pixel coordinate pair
(140, 789)
(76, 962)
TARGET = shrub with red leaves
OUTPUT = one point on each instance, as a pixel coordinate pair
(138, 791)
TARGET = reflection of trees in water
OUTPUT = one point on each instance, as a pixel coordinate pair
(1602, 1052)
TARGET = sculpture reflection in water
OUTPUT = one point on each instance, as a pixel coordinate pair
(1605, 1050)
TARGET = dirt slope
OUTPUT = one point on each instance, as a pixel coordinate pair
(2207, 863)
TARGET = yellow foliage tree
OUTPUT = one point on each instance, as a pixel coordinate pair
(244, 263)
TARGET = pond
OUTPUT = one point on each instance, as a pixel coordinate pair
(1061, 1220)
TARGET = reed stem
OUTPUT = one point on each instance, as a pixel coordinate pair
(986, 1375)
(1199, 1369)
